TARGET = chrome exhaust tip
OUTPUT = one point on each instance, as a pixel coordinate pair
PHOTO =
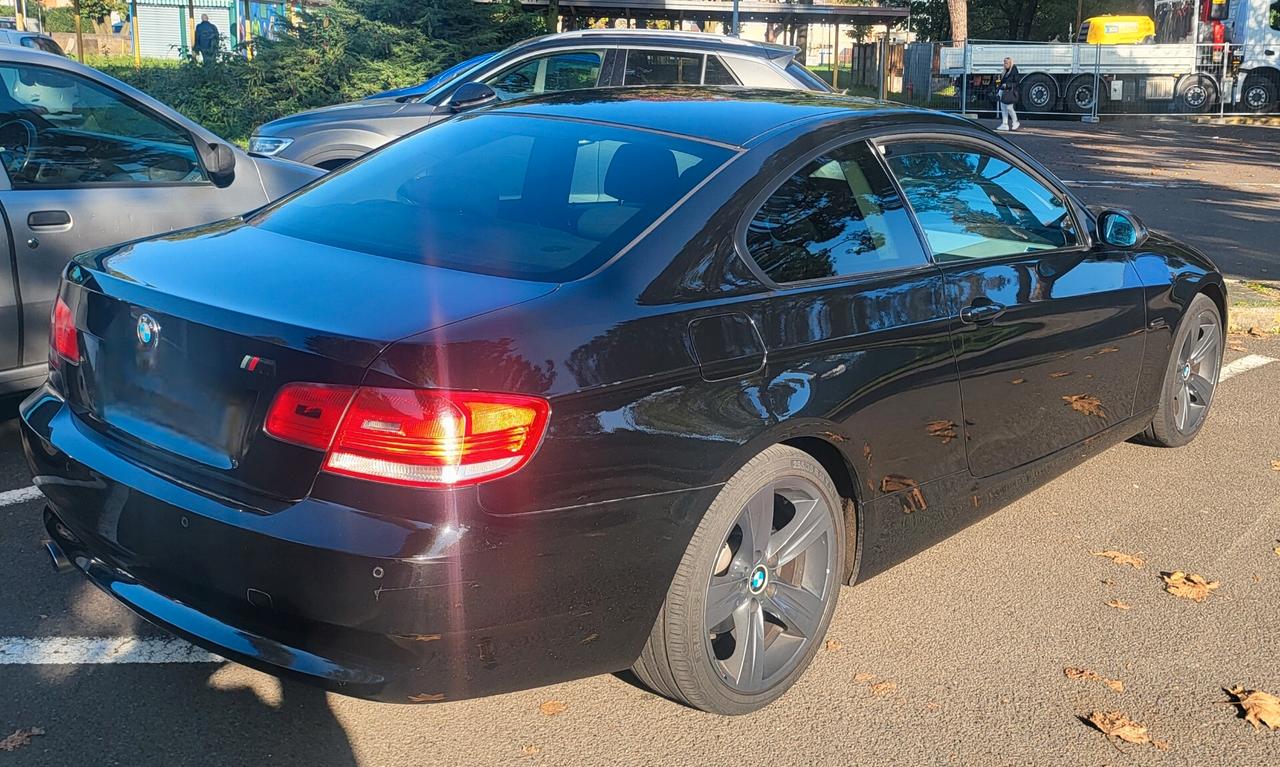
(57, 558)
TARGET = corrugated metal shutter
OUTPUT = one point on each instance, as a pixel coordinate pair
(159, 31)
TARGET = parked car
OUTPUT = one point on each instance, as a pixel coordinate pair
(596, 380)
(34, 40)
(595, 58)
(89, 162)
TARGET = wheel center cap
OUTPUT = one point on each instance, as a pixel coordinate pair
(1185, 373)
(759, 579)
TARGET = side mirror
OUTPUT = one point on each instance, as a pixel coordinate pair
(471, 95)
(1121, 229)
(219, 162)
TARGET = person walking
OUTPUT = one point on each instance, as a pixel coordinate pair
(206, 39)
(1007, 96)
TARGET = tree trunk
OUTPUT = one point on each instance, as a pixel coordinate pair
(959, 11)
(1029, 8)
(553, 15)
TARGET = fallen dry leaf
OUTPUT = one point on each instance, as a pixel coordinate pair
(944, 430)
(833, 645)
(1260, 708)
(1075, 672)
(1276, 550)
(553, 707)
(1255, 332)
(1017, 381)
(1114, 724)
(529, 749)
(881, 688)
(1193, 587)
(1235, 347)
(1107, 350)
(1161, 745)
(20, 738)
(1275, 465)
(1086, 404)
(1060, 374)
(1120, 558)
(863, 677)
(1116, 603)
(912, 500)
(426, 697)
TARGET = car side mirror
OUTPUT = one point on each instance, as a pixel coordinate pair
(1121, 229)
(219, 162)
(471, 95)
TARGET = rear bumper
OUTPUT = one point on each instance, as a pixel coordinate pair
(377, 607)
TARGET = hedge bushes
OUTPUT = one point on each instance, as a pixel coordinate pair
(342, 52)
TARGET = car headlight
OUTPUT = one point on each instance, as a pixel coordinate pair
(268, 145)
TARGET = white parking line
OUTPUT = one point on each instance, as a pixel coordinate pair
(10, 497)
(43, 651)
(1244, 364)
(1170, 183)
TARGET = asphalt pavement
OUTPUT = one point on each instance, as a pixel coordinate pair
(955, 657)
(1216, 186)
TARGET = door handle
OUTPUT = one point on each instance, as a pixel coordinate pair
(48, 219)
(978, 314)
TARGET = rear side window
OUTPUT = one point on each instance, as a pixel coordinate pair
(838, 216)
(717, 73)
(662, 68)
(521, 197)
(972, 203)
(807, 78)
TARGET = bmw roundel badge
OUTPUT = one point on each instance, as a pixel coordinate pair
(148, 331)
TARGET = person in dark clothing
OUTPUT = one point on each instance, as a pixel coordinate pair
(1007, 96)
(206, 39)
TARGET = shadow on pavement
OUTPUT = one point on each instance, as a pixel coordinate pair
(94, 716)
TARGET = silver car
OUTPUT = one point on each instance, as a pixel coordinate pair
(89, 162)
(591, 58)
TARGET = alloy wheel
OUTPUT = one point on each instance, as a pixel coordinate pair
(1197, 370)
(770, 585)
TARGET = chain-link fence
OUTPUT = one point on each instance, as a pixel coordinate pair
(1090, 81)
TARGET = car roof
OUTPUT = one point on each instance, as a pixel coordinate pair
(724, 115)
(671, 37)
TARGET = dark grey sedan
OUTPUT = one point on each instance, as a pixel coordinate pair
(590, 58)
(89, 162)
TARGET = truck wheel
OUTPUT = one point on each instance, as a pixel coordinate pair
(1080, 94)
(1195, 94)
(1039, 93)
(1259, 94)
(755, 591)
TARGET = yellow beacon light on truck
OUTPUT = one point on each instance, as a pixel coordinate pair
(1117, 30)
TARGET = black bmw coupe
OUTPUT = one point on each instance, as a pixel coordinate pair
(634, 378)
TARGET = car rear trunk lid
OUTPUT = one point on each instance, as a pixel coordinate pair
(186, 339)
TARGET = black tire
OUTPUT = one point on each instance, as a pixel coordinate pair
(682, 658)
(1167, 428)
(1195, 94)
(1039, 93)
(1260, 94)
(1079, 95)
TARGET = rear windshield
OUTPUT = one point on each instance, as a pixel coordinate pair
(523, 197)
(802, 74)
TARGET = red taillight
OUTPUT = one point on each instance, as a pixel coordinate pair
(62, 333)
(308, 414)
(417, 437)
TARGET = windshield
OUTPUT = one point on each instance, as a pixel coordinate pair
(432, 82)
(509, 195)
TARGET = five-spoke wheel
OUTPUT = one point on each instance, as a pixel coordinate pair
(755, 590)
(1191, 377)
(767, 593)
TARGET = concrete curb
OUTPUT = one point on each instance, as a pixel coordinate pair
(1253, 305)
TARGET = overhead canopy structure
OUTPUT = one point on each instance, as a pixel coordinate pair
(722, 11)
